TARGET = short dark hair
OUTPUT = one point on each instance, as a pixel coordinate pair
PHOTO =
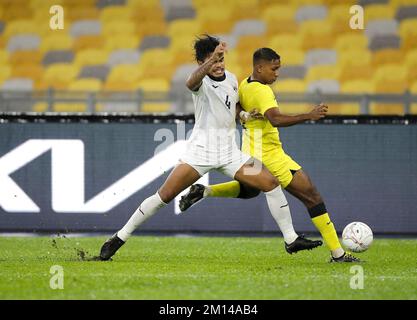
(204, 46)
(266, 54)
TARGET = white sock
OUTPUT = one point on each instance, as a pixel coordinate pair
(207, 191)
(146, 209)
(280, 210)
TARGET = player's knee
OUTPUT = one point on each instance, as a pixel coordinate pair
(166, 195)
(270, 184)
(247, 192)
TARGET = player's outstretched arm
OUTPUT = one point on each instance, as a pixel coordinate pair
(278, 119)
(195, 79)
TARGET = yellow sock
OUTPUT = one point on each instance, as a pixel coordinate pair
(327, 230)
(225, 190)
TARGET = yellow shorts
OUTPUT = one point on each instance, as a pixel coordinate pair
(280, 165)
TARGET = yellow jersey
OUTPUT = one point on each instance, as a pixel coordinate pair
(255, 95)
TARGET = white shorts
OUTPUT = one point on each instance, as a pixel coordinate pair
(229, 169)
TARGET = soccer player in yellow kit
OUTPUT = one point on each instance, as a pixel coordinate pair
(261, 140)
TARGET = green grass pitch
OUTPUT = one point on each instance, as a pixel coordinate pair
(191, 268)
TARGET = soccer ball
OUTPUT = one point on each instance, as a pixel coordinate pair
(357, 237)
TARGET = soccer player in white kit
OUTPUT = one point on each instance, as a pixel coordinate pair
(211, 146)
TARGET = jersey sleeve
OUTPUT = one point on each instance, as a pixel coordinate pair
(264, 99)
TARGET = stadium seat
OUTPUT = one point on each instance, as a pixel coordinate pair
(96, 71)
(320, 57)
(387, 56)
(23, 42)
(89, 42)
(322, 72)
(123, 56)
(60, 75)
(122, 41)
(18, 84)
(155, 107)
(153, 42)
(392, 78)
(292, 72)
(28, 70)
(86, 84)
(311, 12)
(90, 57)
(326, 86)
(379, 12)
(291, 57)
(56, 42)
(23, 57)
(69, 107)
(285, 41)
(58, 56)
(249, 27)
(386, 109)
(390, 41)
(289, 86)
(85, 28)
(123, 78)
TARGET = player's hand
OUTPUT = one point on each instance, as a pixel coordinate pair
(319, 112)
(253, 115)
(218, 53)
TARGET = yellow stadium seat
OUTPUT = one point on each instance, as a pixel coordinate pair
(182, 27)
(398, 3)
(294, 108)
(56, 42)
(22, 57)
(320, 72)
(40, 107)
(59, 75)
(287, 26)
(22, 26)
(5, 72)
(408, 42)
(123, 78)
(155, 58)
(276, 13)
(154, 85)
(15, 12)
(249, 43)
(148, 14)
(28, 70)
(151, 28)
(292, 57)
(82, 13)
(379, 12)
(289, 85)
(69, 107)
(386, 109)
(217, 27)
(86, 84)
(354, 57)
(115, 28)
(122, 41)
(38, 4)
(143, 4)
(115, 13)
(391, 79)
(344, 109)
(408, 27)
(77, 3)
(316, 34)
(357, 86)
(91, 57)
(387, 56)
(285, 41)
(212, 13)
(347, 41)
(265, 4)
(155, 107)
(182, 43)
(4, 57)
(245, 10)
(356, 72)
(89, 42)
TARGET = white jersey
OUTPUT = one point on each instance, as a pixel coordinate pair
(213, 140)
